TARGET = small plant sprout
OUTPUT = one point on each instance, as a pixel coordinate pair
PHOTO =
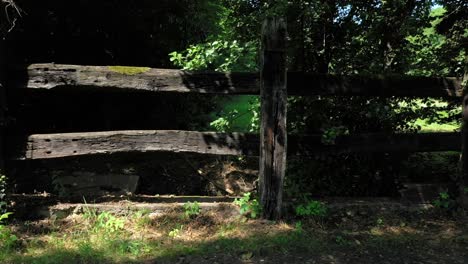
(7, 239)
(248, 206)
(142, 218)
(191, 209)
(312, 208)
(175, 232)
(444, 201)
(103, 222)
(380, 221)
(298, 227)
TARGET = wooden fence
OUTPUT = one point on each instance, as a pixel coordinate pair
(273, 84)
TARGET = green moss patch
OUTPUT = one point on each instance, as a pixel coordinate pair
(129, 70)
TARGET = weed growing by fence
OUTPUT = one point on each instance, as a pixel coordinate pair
(3, 203)
(191, 209)
(7, 239)
(142, 218)
(103, 222)
(444, 201)
(175, 232)
(312, 208)
(248, 206)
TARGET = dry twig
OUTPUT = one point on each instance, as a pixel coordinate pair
(10, 5)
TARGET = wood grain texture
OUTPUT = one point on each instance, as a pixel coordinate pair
(54, 76)
(98, 78)
(273, 133)
(47, 146)
(74, 144)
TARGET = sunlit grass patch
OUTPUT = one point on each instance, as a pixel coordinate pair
(441, 110)
(100, 238)
(427, 126)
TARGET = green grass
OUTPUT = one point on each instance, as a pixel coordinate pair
(241, 124)
(427, 127)
(94, 238)
(239, 103)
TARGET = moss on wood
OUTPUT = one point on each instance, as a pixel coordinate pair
(129, 70)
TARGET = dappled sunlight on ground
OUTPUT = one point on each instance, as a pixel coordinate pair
(394, 231)
(212, 237)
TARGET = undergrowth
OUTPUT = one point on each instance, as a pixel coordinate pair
(248, 206)
(103, 237)
(8, 241)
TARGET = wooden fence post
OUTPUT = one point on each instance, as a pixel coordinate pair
(460, 182)
(273, 134)
(3, 78)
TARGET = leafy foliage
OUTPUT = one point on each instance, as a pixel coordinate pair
(104, 222)
(312, 208)
(7, 239)
(329, 135)
(230, 121)
(380, 221)
(444, 201)
(453, 25)
(175, 232)
(426, 46)
(248, 206)
(3, 203)
(109, 222)
(225, 122)
(217, 55)
(191, 209)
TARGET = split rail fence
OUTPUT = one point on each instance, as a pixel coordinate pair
(273, 84)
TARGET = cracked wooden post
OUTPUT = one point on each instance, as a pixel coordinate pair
(273, 132)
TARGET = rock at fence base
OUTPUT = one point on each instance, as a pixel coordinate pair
(88, 183)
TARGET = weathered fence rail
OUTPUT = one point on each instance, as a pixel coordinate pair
(64, 77)
(49, 146)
